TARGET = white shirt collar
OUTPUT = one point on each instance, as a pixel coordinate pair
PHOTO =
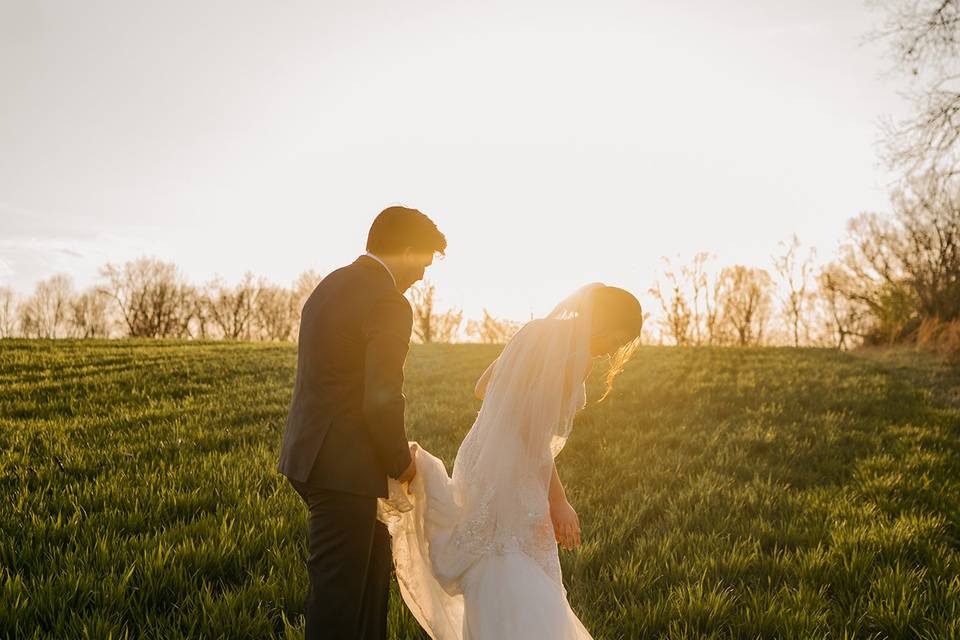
(377, 258)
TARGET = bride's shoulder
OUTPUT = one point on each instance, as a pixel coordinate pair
(530, 328)
(543, 323)
(537, 327)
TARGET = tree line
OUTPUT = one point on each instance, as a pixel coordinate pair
(896, 278)
(151, 298)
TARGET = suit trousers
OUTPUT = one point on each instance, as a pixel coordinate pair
(349, 565)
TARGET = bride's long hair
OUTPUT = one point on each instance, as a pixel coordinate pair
(618, 360)
(617, 311)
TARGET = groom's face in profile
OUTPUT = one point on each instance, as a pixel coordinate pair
(414, 264)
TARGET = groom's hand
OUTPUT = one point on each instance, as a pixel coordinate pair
(408, 474)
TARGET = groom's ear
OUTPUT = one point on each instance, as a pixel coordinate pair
(414, 256)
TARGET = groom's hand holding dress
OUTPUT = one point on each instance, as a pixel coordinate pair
(411, 471)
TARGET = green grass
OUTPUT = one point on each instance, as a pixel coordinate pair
(723, 493)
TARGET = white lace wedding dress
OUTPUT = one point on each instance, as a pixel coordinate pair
(475, 554)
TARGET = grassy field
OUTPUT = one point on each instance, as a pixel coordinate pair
(739, 493)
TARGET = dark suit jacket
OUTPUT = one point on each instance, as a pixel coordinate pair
(345, 426)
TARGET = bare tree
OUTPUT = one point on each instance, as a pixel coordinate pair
(706, 324)
(305, 284)
(275, 312)
(745, 297)
(8, 312)
(46, 314)
(696, 275)
(89, 315)
(928, 212)
(152, 297)
(924, 36)
(873, 276)
(421, 303)
(491, 330)
(690, 311)
(905, 268)
(199, 324)
(678, 319)
(447, 327)
(712, 314)
(795, 271)
(232, 309)
(430, 325)
(844, 316)
(647, 334)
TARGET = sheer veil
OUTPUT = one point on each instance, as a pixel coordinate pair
(497, 499)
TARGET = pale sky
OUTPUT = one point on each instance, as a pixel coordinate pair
(555, 143)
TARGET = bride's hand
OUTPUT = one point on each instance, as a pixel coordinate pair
(566, 524)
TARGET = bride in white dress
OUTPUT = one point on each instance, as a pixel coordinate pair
(476, 554)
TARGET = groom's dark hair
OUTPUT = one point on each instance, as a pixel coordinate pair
(397, 228)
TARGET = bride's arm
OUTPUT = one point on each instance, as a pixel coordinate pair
(481, 389)
(566, 524)
(557, 494)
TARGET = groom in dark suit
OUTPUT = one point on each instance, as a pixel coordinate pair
(345, 430)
